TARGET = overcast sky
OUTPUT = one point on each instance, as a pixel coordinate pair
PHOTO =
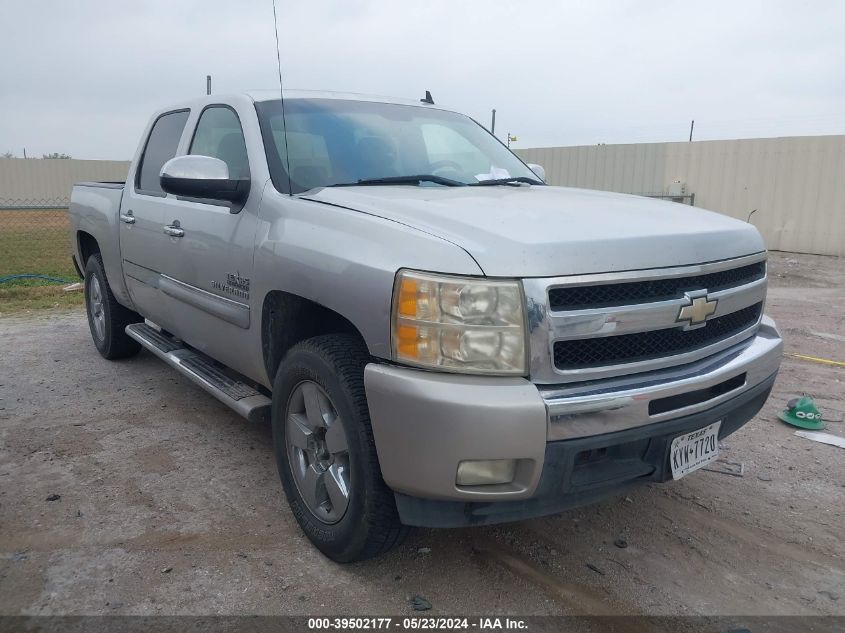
(83, 76)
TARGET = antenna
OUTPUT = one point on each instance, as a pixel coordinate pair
(282, 95)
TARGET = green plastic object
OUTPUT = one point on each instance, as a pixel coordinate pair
(802, 412)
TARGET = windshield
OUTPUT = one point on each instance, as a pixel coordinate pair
(339, 142)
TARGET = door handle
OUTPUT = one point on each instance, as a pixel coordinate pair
(127, 218)
(174, 230)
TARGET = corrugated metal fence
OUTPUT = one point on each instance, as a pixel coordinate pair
(797, 184)
(46, 183)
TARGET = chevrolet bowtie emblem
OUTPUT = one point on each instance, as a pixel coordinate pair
(699, 308)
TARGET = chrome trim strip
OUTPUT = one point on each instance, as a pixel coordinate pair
(607, 406)
(645, 317)
(653, 273)
(230, 311)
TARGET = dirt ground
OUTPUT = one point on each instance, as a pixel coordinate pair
(170, 503)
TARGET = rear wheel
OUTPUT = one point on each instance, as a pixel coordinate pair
(106, 317)
(325, 450)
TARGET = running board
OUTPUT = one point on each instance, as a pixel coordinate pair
(239, 396)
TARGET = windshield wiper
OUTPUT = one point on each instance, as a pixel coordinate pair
(506, 181)
(404, 180)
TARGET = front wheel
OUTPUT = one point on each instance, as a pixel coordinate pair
(325, 450)
(106, 317)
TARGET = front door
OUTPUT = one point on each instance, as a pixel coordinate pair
(205, 274)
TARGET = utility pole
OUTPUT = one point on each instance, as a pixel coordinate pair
(208, 84)
(691, 126)
(493, 123)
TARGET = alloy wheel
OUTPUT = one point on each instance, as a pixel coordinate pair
(318, 451)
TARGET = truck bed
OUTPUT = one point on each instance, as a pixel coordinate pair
(105, 184)
(94, 213)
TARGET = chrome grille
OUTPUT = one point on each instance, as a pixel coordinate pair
(596, 326)
(632, 292)
(628, 348)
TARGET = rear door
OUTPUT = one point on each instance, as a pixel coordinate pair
(206, 272)
(143, 211)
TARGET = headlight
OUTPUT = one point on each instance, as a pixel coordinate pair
(458, 324)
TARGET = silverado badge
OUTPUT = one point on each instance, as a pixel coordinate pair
(234, 285)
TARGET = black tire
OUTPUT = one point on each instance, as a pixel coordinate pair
(370, 524)
(111, 340)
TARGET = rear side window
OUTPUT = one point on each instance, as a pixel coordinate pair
(161, 147)
(219, 135)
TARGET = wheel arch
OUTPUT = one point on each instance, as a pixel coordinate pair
(87, 245)
(287, 319)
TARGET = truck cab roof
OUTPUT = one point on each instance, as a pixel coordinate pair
(258, 96)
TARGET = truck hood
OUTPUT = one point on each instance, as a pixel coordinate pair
(533, 231)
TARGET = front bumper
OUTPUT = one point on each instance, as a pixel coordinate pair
(610, 464)
(425, 423)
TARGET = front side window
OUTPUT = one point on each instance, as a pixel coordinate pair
(161, 147)
(339, 142)
(219, 135)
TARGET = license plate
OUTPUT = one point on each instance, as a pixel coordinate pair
(691, 451)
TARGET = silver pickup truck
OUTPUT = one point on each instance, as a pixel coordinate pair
(437, 337)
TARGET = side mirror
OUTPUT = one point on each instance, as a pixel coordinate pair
(538, 169)
(202, 177)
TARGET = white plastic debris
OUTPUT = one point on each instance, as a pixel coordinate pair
(824, 438)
